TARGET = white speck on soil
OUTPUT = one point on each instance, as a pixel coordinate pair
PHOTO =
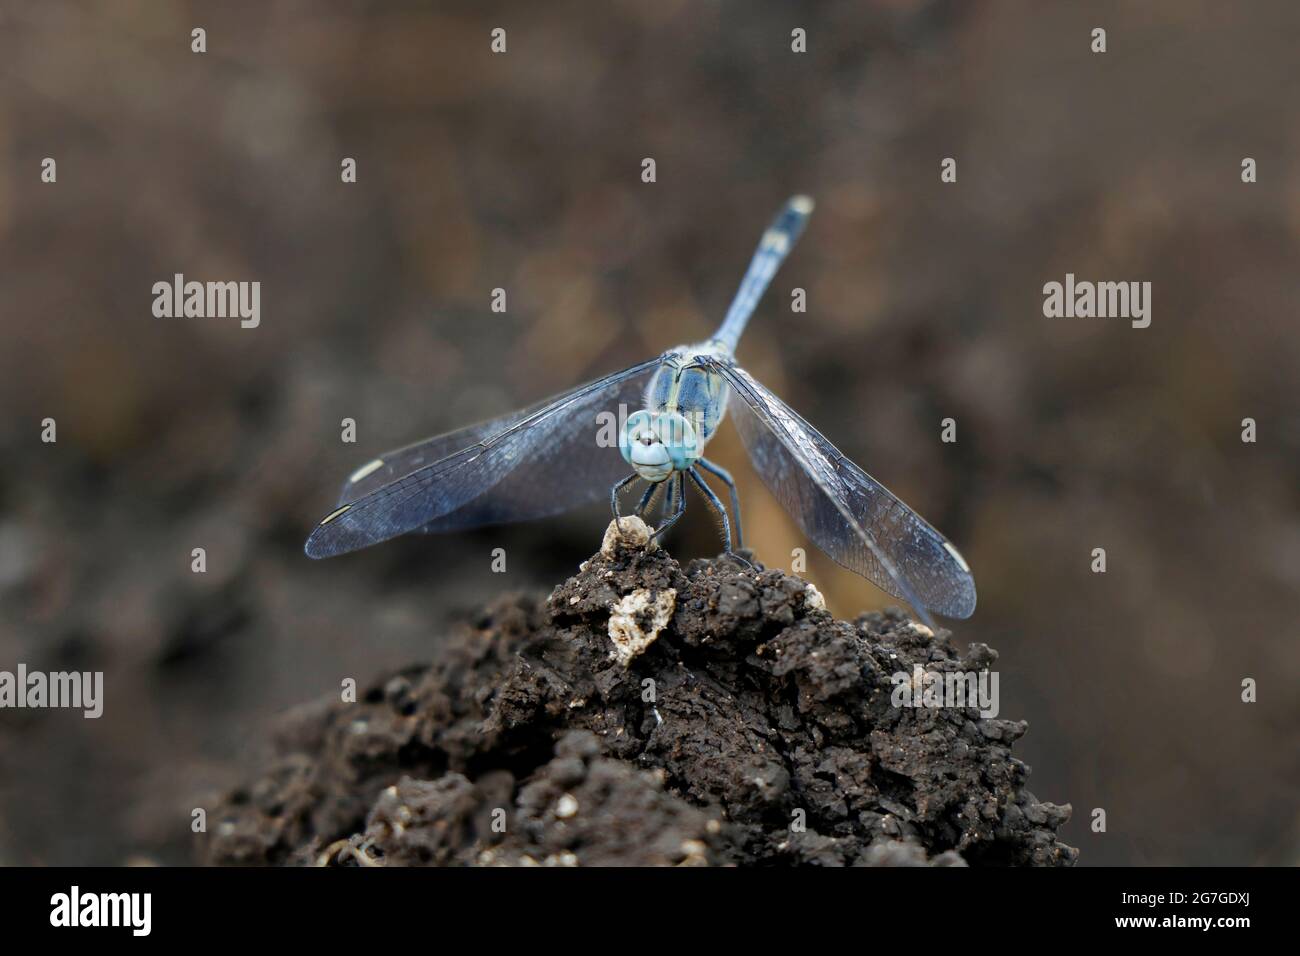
(567, 806)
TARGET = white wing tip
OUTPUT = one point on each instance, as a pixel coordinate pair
(957, 556)
(802, 204)
(332, 515)
(367, 469)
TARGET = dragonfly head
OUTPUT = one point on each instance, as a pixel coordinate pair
(656, 444)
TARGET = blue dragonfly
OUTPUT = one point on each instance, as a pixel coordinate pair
(551, 457)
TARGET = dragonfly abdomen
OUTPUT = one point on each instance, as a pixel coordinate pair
(775, 245)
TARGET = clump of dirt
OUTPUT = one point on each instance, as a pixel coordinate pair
(740, 724)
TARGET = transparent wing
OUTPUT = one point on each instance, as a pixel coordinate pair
(400, 462)
(846, 512)
(528, 464)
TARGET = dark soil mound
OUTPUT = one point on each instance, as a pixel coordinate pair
(755, 729)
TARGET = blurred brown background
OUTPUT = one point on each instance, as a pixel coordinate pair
(522, 171)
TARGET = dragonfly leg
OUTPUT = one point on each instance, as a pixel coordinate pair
(613, 496)
(725, 475)
(721, 510)
(645, 500)
(675, 493)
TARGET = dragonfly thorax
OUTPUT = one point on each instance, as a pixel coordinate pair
(656, 444)
(684, 385)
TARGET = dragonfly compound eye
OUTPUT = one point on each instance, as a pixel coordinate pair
(657, 444)
(679, 437)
